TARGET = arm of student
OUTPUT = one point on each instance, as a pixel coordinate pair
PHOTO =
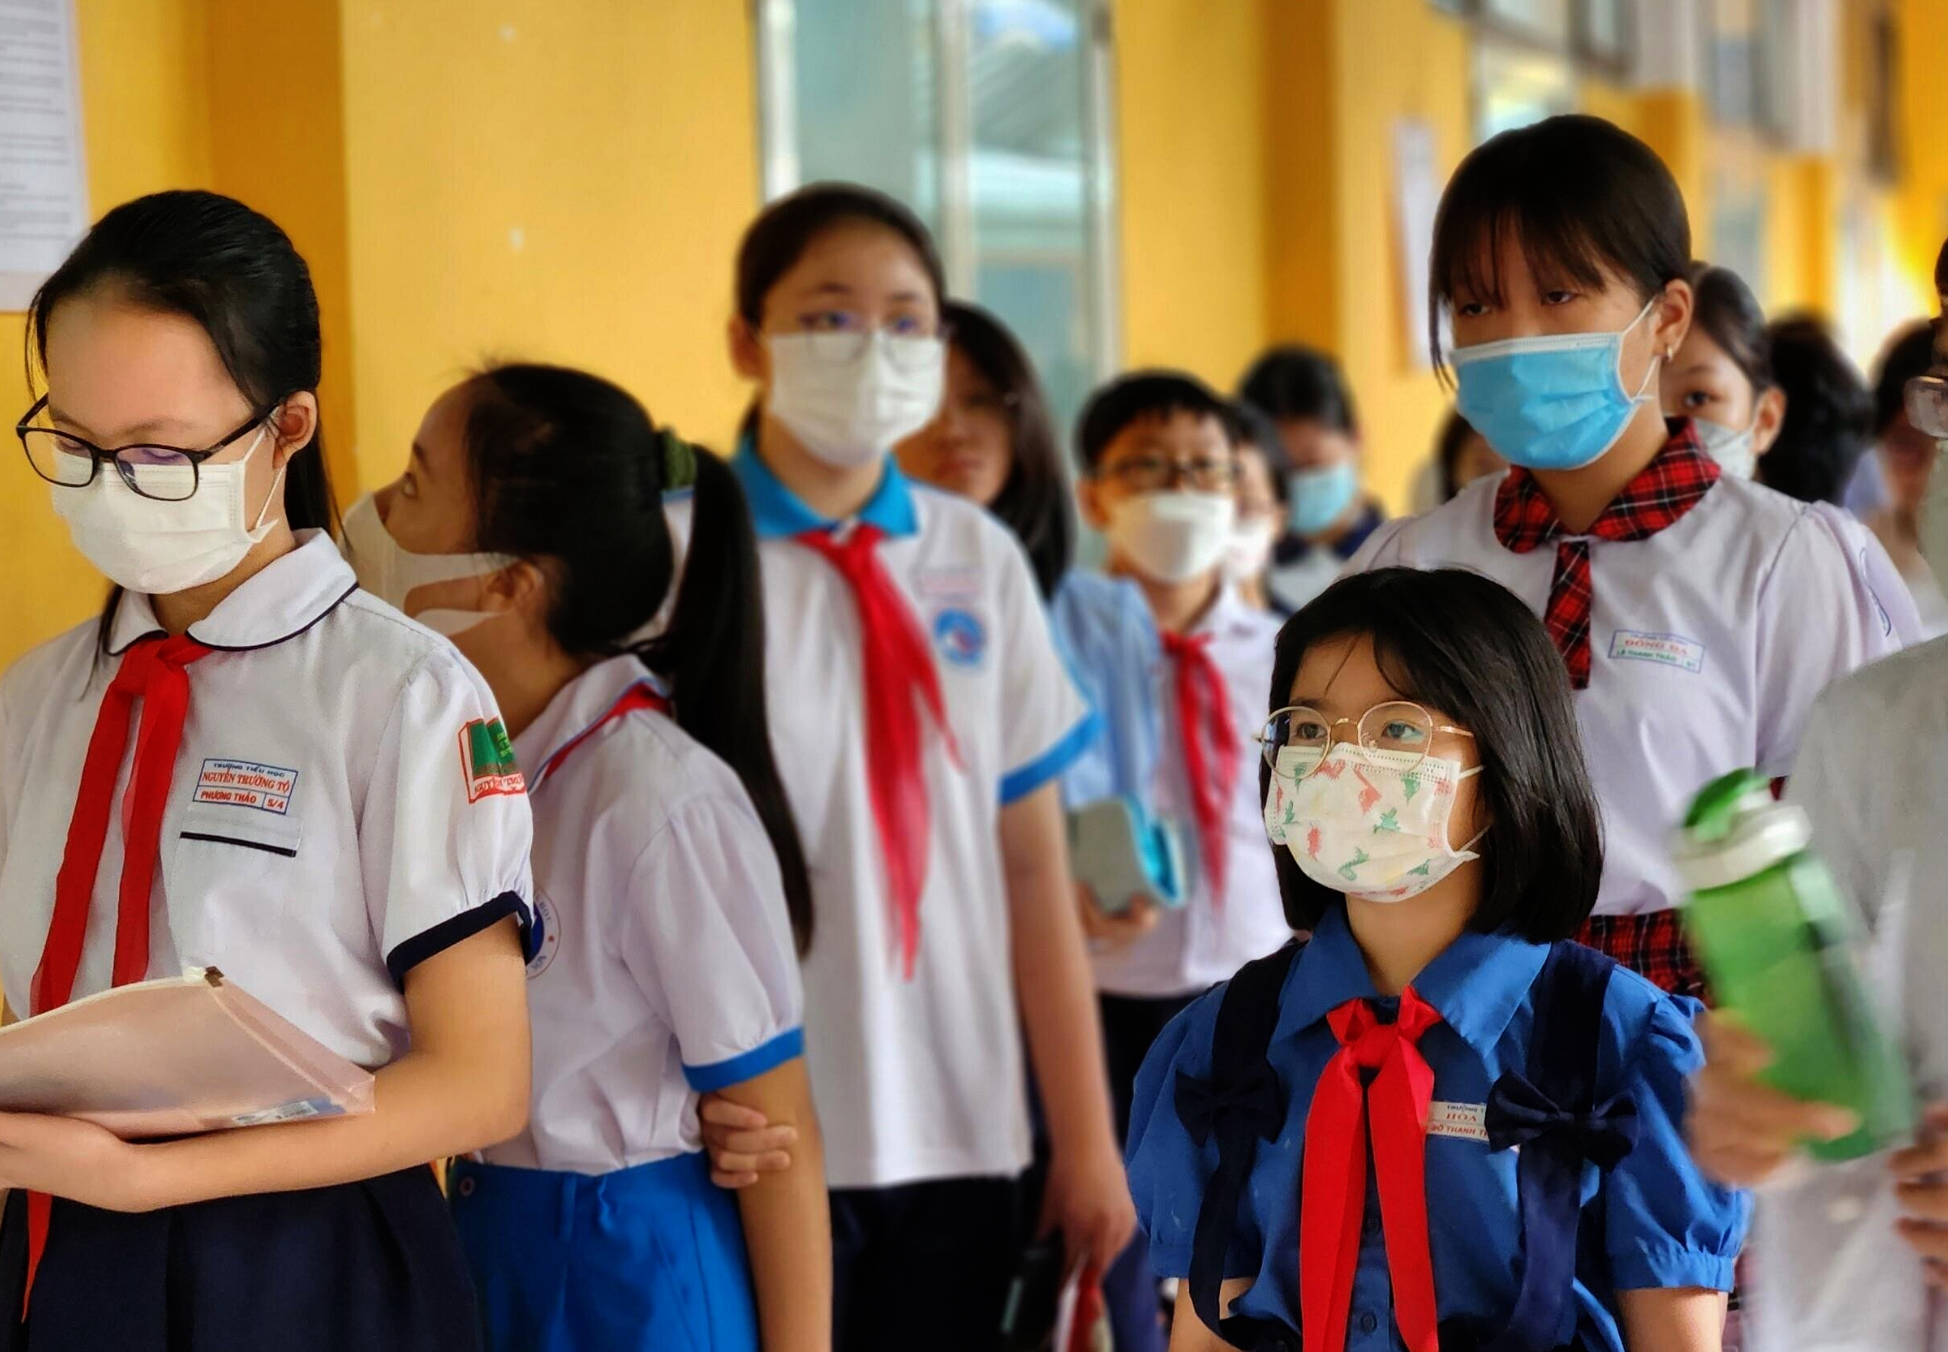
(1189, 1334)
(1681, 1320)
(787, 1226)
(1088, 1197)
(462, 1085)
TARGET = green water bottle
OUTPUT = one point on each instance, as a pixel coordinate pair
(1780, 949)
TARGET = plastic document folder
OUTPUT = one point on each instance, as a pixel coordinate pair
(173, 1058)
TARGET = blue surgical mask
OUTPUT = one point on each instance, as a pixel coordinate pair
(1320, 496)
(1551, 403)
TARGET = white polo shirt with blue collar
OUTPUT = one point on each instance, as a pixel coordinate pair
(915, 1079)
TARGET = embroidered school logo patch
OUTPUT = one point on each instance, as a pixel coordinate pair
(487, 761)
(1667, 650)
(961, 637)
(544, 939)
(241, 783)
(1458, 1121)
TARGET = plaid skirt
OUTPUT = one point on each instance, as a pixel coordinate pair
(1651, 945)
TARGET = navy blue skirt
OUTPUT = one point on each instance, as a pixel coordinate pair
(363, 1267)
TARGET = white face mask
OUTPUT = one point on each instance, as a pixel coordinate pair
(391, 573)
(1371, 824)
(1731, 448)
(158, 548)
(851, 413)
(1172, 537)
(1250, 549)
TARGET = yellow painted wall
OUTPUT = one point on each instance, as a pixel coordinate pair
(1191, 79)
(144, 73)
(535, 179)
(1921, 202)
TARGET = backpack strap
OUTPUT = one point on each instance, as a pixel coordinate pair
(1552, 1114)
(1240, 1105)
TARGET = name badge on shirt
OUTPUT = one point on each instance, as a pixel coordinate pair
(241, 783)
(1668, 650)
(1458, 1121)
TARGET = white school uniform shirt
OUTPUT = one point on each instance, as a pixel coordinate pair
(330, 823)
(1204, 942)
(663, 963)
(1837, 1277)
(918, 1079)
(1709, 641)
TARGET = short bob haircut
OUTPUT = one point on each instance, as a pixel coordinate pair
(1465, 647)
(1143, 396)
(1587, 200)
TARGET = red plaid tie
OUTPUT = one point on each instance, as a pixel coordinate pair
(155, 670)
(1660, 495)
(898, 668)
(1211, 747)
(1332, 1205)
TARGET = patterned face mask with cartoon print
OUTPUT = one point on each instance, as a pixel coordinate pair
(1372, 824)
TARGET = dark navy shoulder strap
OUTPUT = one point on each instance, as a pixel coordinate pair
(1240, 1105)
(1551, 1112)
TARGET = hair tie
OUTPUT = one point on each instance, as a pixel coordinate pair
(679, 461)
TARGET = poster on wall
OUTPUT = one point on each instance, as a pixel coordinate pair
(43, 182)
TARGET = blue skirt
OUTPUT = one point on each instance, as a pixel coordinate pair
(649, 1259)
(362, 1267)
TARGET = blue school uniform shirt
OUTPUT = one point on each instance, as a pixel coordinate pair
(1661, 1223)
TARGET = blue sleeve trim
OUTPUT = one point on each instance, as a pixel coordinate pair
(1672, 1269)
(451, 931)
(1019, 783)
(723, 1074)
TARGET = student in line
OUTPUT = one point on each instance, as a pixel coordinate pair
(380, 904)
(1828, 426)
(1264, 499)
(1157, 452)
(1679, 597)
(1907, 458)
(922, 719)
(527, 524)
(1439, 1121)
(1721, 377)
(1853, 1257)
(1329, 512)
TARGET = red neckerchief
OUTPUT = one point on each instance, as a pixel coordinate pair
(1332, 1203)
(1211, 747)
(154, 670)
(899, 675)
(1660, 495)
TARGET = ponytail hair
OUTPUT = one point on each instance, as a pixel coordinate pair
(569, 472)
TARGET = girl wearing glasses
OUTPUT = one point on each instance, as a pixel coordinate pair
(370, 884)
(921, 718)
(1698, 614)
(669, 874)
(1436, 831)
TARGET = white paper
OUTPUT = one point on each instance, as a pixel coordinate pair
(43, 179)
(1417, 197)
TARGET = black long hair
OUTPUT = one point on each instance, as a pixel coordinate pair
(211, 259)
(1464, 644)
(1829, 421)
(568, 471)
(1034, 500)
(1294, 382)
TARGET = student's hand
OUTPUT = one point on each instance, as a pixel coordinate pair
(1921, 1183)
(66, 1157)
(1742, 1131)
(1088, 1200)
(742, 1142)
(1137, 920)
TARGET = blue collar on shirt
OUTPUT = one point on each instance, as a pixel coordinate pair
(776, 511)
(1476, 984)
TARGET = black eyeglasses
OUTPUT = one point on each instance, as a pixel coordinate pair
(165, 473)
